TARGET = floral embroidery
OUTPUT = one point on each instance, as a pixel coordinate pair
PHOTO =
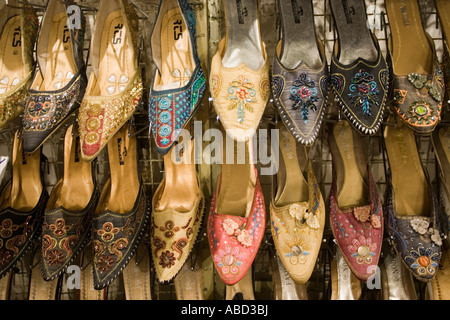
(363, 91)
(167, 259)
(242, 95)
(302, 216)
(7, 228)
(229, 259)
(277, 85)
(233, 229)
(421, 112)
(296, 250)
(423, 261)
(304, 94)
(108, 231)
(362, 250)
(425, 86)
(59, 228)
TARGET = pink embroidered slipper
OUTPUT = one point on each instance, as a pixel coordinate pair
(236, 221)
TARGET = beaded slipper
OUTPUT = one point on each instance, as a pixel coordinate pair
(356, 214)
(22, 205)
(115, 84)
(60, 81)
(122, 214)
(297, 211)
(17, 40)
(411, 205)
(300, 73)
(418, 82)
(239, 80)
(67, 219)
(178, 207)
(179, 82)
(359, 73)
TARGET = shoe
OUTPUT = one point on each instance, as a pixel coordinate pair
(344, 284)
(178, 207)
(115, 85)
(123, 212)
(239, 79)
(22, 205)
(179, 83)
(20, 27)
(359, 73)
(300, 73)
(237, 219)
(297, 210)
(411, 205)
(356, 213)
(60, 80)
(68, 216)
(417, 79)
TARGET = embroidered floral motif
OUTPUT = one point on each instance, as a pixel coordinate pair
(229, 259)
(362, 249)
(242, 95)
(422, 113)
(167, 259)
(304, 94)
(296, 250)
(425, 86)
(363, 91)
(238, 232)
(422, 227)
(423, 261)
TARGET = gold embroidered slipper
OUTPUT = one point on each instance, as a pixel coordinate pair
(20, 24)
(239, 80)
(115, 87)
(178, 206)
(297, 210)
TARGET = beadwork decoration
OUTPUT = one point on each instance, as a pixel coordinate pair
(363, 91)
(423, 261)
(304, 95)
(242, 95)
(425, 86)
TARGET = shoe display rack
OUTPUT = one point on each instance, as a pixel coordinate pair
(265, 269)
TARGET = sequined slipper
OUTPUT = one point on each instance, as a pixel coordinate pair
(418, 81)
(300, 73)
(115, 84)
(22, 204)
(239, 79)
(356, 213)
(297, 210)
(123, 212)
(179, 82)
(237, 220)
(411, 207)
(359, 73)
(178, 207)
(20, 26)
(60, 81)
(67, 219)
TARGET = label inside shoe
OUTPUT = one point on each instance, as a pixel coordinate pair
(349, 11)
(66, 37)
(122, 154)
(404, 10)
(241, 11)
(177, 30)
(117, 39)
(297, 11)
(17, 38)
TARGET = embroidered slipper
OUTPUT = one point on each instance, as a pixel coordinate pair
(22, 205)
(189, 282)
(115, 84)
(344, 284)
(297, 210)
(356, 214)
(123, 212)
(19, 25)
(68, 216)
(411, 205)
(300, 72)
(237, 218)
(239, 79)
(397, 283)
(418, 81)
(60, 81)
(136, 275)
(39, 288)
(241, 290)
(359, 73)
(179, 82)
(87, 291)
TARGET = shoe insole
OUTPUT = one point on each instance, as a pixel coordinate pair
(5, 286)
(346, 149)
(298, 40)
(439, 287)
(443, 8)
(75, 189)
(242, 289)
(397, 282)
(116, 66)
(121, 190)
(344, 284)
(409, 53)
(243, 42)
(24, 190)
(355, 38)
(181, 189)
(409, 183)
(39, 288)
(237, 184)
(188, 282)
(177, 62)
(136, 276)
(291, 183)
(11, 64)
(60, 64)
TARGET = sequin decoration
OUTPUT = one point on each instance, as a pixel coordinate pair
(424, 86)
(363, 91)
(304, 95)
(423, 261)
(242, 95)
